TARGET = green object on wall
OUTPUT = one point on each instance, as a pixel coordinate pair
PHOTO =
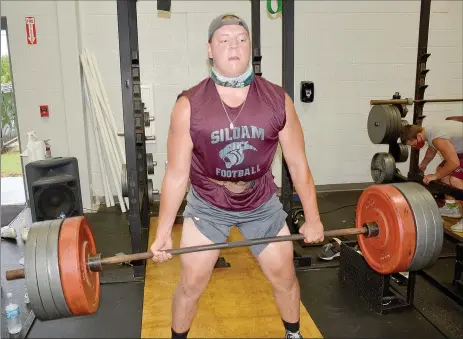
(270, 9)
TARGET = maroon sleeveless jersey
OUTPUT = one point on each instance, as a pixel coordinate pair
(242, 154)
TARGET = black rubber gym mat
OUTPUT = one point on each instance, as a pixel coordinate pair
(437, 307)
(119, 316)
(112, 236)
(339, 313)
(9, 212)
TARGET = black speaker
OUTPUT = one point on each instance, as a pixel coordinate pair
(54, 188)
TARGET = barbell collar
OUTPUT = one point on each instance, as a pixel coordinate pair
(94, 263)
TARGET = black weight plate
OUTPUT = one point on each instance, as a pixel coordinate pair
(149, 163)
(150, 192)
(30, 271)
(378, 124)
(403, 109)
(399, 151)
(124, 186)
(383, 168)
(146, 116)
(54, 275)
(41, 266)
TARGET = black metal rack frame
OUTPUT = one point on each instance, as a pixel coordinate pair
(134, 131)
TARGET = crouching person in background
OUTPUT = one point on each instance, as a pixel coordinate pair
(445, 137)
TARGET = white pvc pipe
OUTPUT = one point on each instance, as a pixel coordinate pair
(104, 108)
(108, 201)
(108, 146)
(104, 125)
(96, 70)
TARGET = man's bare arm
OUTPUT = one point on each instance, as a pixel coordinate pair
(430, 154)
(293, 146)
(179, 151)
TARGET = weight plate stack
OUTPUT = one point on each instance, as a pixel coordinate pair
(383, 168)
(31, 272)
(429, 231)
(396, 123)
(384, 124)
(399, 151)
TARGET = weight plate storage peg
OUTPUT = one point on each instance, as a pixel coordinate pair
(383, 168)
(399, 151)
(383, 124)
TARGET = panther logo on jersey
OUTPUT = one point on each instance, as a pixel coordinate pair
(233, 154)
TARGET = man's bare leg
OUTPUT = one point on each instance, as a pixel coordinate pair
(451, 208)
(276, 261)
(196, 271)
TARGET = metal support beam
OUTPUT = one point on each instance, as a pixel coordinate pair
(288, 85)
(420, 83)
(256, 51)
(135, 149)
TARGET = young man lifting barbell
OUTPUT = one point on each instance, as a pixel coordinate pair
(444, 137)
(223, 136)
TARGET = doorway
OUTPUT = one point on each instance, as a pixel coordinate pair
(13, 199)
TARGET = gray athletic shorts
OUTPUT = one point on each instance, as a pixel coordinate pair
(265, 221)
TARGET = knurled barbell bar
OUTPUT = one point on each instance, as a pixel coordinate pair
(398, 228)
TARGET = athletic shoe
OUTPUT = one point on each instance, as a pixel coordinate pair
(293, 335)
(458, 227)
(450, 211)
(330, 250)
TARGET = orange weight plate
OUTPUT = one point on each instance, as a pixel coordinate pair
(393, 249)
(81, 287)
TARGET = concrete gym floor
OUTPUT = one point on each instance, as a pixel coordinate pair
(133, 310)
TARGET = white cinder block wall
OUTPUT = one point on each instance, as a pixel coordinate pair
(48, 73)
(352, 50)
(355, 51)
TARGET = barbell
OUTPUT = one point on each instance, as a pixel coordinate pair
(410, 101)
(398, 228)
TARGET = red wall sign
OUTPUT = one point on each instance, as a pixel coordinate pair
(30, 31)
(44, 111)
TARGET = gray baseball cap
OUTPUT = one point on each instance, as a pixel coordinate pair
(225, 19)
